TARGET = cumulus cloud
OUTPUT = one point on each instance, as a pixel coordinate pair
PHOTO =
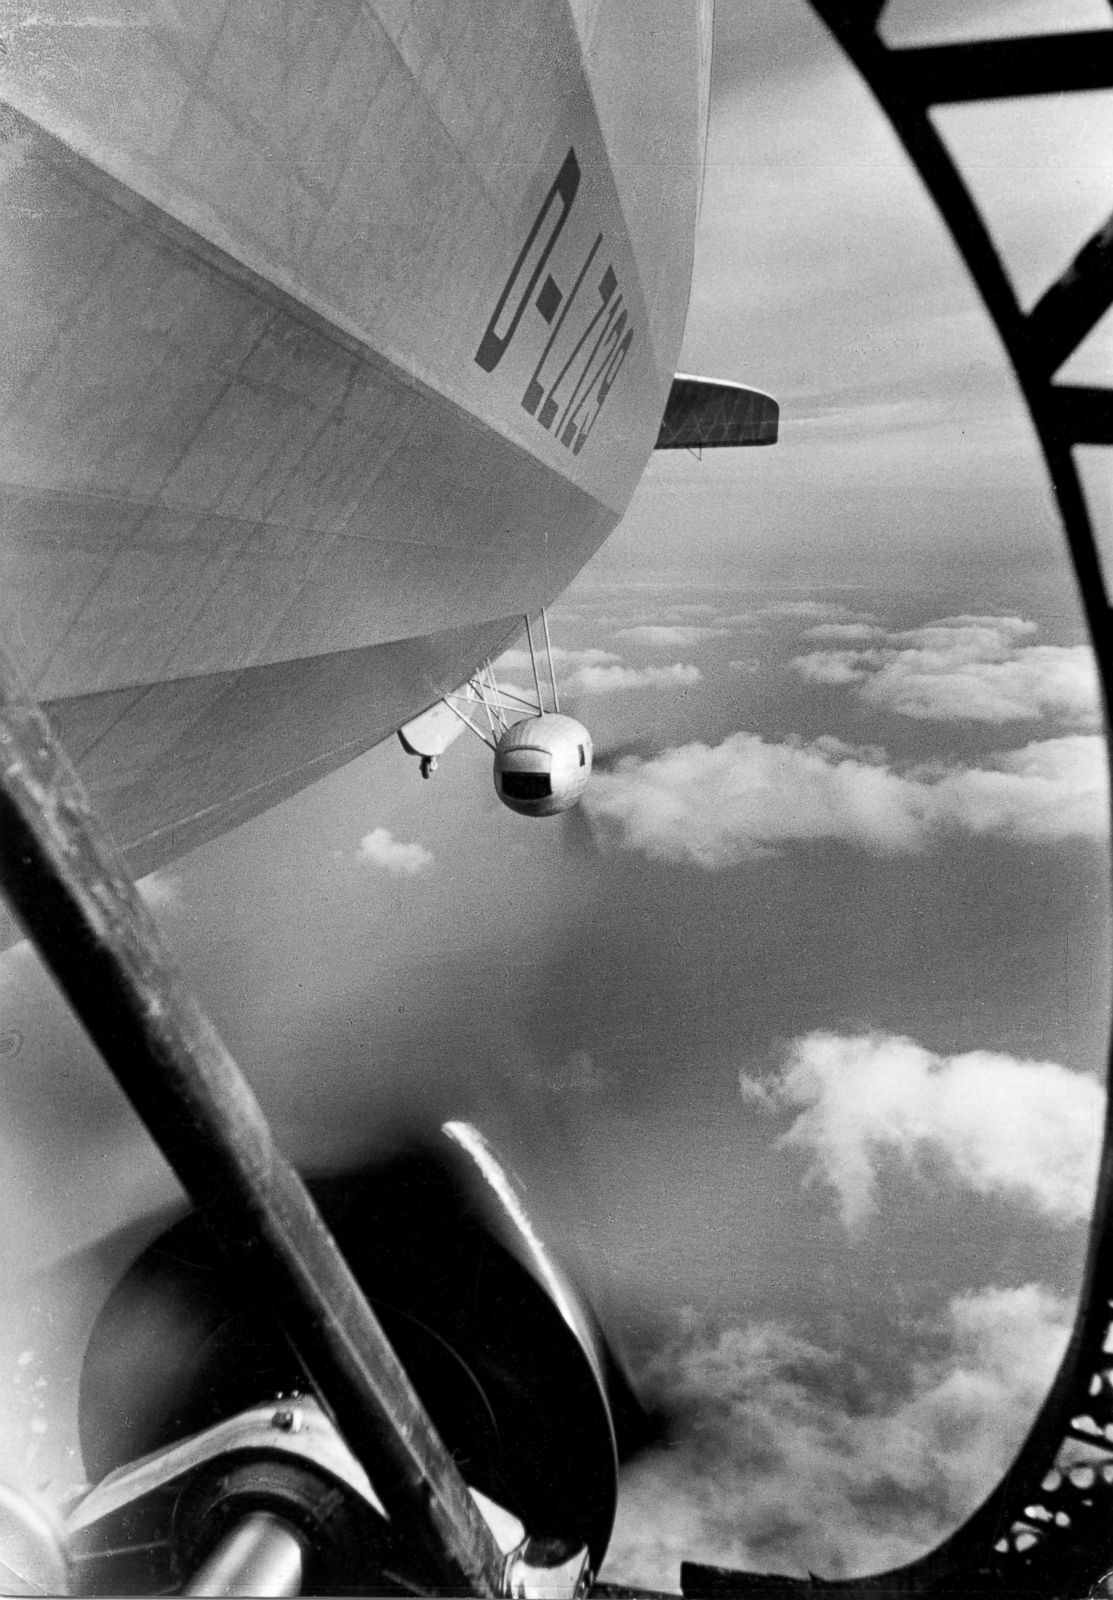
(785, 1458)
(661, 614)
(813, 610)
(999, 1125)
(161, 890)
(975, 669)
(382, 849)
(596, 671)
(673, 635)
(15, 963)
(1048, 789)
(829, 666)
(689, 610)
(517, 660)
(844, 632)
(717, 805)
(605, 680)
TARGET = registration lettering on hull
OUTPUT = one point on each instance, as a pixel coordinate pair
(583, 329)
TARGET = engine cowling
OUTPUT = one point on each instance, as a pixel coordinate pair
(542, 764)
(502, 1349)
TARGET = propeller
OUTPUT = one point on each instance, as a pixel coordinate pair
(507, 1357)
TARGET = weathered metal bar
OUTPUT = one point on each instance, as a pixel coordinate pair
(1085, 416)
(1075, 303)
(65, 882)
(1062, 417)
(995, 69)
(861, 16)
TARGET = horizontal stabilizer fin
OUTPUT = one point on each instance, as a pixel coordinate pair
(704, 412)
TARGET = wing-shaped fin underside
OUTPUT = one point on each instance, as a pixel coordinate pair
(702, 412)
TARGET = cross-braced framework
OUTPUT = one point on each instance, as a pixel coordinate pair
(499, 705)
(1048, 1527)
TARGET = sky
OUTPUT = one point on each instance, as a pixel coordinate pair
(796, 1028)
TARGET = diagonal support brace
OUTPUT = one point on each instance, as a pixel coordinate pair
(66, 883)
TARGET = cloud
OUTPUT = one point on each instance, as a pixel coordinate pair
(595, 671)
(788, 1457)
(161, 890)
(745, 798)
(844, 632)
(811, 610)
(1049, 789)
(629, 610)
(605, 680)
(521, 661)
(689, 610)
(829, 667)
(16, 962)
(672, 636)
(403, 860)
(976, 669)
(999, 1125)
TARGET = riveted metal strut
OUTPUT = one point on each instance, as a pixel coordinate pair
(65, 882)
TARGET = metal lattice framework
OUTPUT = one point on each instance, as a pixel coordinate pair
(500, 705)
(1048, 1527)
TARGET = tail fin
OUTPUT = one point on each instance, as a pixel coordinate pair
(703, 411)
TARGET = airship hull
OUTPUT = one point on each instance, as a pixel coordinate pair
(332, 344)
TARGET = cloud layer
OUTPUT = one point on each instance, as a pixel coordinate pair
(787, 1458)
(604, 680)
(745, 798)
(672, 635)
(1027, 1129)
(975, 669)
(161, 890)
(383, 850)
(596, 671)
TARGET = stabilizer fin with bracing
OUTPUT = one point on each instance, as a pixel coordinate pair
(703, 413)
